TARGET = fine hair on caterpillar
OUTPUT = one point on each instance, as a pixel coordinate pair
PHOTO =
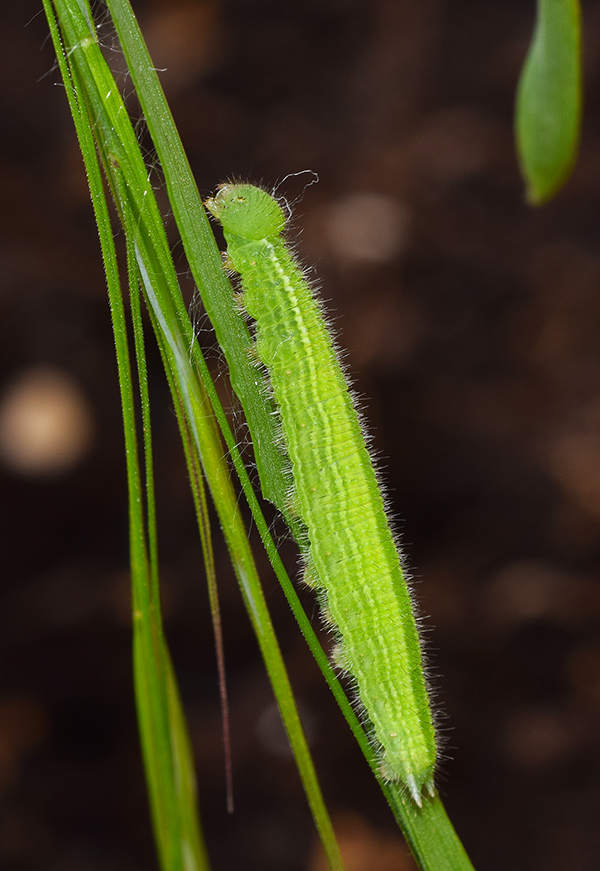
(353, 561)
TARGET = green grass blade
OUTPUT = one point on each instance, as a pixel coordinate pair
(429, 833)
(196, 477)
(549, 99)
(164, 738)
(175, 811)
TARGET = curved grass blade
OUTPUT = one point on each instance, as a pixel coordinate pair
(549, 100)
(164, 737)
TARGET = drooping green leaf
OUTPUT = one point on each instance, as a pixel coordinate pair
(549, 98)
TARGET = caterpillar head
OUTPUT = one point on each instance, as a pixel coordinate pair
(247, 211)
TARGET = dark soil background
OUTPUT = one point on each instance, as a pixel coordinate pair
(472, 324)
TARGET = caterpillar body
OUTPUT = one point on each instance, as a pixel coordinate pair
(353, 559)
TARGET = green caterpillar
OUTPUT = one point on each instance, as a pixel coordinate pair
(352, 556)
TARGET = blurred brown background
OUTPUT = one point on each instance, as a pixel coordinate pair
(472, 325)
